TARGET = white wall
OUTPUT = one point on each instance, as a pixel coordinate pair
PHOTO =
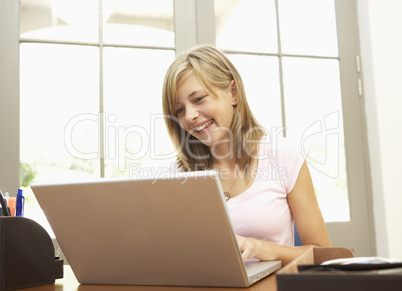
(9, 98)
(381, 46)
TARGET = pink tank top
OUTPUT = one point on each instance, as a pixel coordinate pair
(262, 211)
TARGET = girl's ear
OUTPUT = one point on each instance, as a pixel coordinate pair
(233, 91)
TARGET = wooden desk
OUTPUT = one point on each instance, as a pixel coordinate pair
(310, 256)
(70, 283)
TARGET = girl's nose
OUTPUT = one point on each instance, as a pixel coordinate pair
(191, 114)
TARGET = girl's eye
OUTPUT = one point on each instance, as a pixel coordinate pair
(178, 111)
(198, 99)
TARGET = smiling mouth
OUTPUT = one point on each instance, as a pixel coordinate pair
(202, 127)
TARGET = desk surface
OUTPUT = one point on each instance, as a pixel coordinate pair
(309, 256)
(70, 283)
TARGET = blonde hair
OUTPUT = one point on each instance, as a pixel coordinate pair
(212, 68)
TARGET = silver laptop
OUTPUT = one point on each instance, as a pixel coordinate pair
(173, 231)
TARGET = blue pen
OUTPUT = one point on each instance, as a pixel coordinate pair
(19, 208)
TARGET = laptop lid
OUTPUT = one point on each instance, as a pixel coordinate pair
(172, 231)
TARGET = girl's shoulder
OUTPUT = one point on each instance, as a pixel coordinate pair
(280, 149)
(286, 156)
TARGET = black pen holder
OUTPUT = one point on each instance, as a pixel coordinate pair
(27, 254)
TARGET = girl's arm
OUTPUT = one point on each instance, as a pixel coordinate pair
(309, 223)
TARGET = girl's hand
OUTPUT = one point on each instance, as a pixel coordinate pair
(309, 221)
(247, 247)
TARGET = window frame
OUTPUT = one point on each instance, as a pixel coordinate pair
(199, 29)
(9, 97)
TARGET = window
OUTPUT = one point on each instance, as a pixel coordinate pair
(91, 86)
(273, 61)
(290, 66)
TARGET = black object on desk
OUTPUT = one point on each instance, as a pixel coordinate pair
(378, 268)
(4, 211)
(27, 255)
(352, 277)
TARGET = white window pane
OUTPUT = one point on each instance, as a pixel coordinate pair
(59, 97)
(135, 130)
(308, 27)
(314, 118)
(59, 104)
(246, 25)
(62, 20)
(139, 22)
(260, 75)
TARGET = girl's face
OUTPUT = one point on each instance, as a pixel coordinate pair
(203, 116)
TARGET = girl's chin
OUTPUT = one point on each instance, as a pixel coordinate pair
(210, 142)
(206, 140)
(209, 139)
